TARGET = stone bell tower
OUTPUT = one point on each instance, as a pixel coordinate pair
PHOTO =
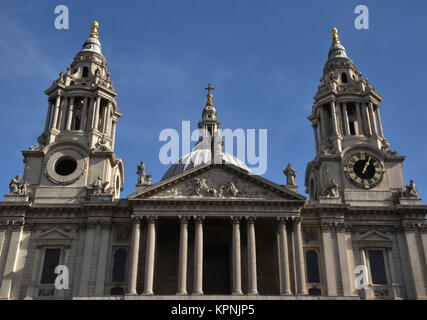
(74, 159)
(353, 162)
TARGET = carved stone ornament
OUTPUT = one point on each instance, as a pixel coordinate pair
(101, 188)
(216, 183)
(18, 186)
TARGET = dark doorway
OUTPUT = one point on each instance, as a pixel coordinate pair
(216, 268)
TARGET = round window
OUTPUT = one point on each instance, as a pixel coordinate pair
(65, 166)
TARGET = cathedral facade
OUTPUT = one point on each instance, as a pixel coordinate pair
(210, 228)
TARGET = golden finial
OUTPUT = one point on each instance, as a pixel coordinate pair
(94, 32)
(335, 38)
(209, 95)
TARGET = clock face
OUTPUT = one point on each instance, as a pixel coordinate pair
(364, 170)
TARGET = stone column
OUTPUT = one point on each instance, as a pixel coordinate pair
(372, 116)
(237, 266)
(134, 254)
(340, 123)
(329, 259)
(63, 113)
(107, 118)
(32, 287)
(316, 140)
(343, 261)
(48, 114)
(299, 257)
(323, 122)
(252, 270)
(379, 123)
(393, 278)
(150, 256)
(113, 134)
(87, 259)
(104, 118)
(359, 120)
(84, 114)
(183, 256)
(56, 112)
(346, 121)
(285, 285)
(334, 118)
(102, 259)
(95, 119)
(70, 114)
(90, 114)
(198, 257)
(11, 260)
(368, 121)
(414, 260)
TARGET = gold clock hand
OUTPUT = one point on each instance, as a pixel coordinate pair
(366, 165)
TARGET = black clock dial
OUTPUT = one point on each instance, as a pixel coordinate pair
(364, 170)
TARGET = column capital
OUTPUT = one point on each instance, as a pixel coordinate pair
(250, 219)
(422, 227)
(199, 219)
(296, 219)
(151, 219)
(183, 219)
(235, 219)
(136, 219)
(282, 220)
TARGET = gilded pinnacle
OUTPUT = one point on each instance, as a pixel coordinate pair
(94, 32)
(335, 38)
(209, 95)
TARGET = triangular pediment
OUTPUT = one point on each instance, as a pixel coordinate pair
(54, 237)
(217, 181)
(375, 236)
(54, 234)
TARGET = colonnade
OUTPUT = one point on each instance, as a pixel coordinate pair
(252, 284)
(367, 118)
(92, 116)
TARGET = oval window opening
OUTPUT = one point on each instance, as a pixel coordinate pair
(65, 166)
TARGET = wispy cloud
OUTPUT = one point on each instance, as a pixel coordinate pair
(20, 52)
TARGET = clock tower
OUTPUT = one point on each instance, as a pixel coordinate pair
(353, 163)
(74, 159)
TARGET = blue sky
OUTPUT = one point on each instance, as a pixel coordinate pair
(265, 59)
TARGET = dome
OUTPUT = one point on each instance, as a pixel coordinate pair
(337, 50)
(199, 157)
(92, 44)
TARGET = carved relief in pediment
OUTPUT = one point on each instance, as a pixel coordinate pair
(216, 183)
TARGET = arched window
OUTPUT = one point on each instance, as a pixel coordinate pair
(85, 72)
(119, 265)
(344, 77)
(312, 263)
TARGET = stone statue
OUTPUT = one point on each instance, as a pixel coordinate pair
(14, 185)
(411, 190)
(23, 187)
(203, 188)
(331, 191)
(18, 186)
(291, 175)
(97, 186)
(232, 190)
(100, 188)
(334, 192)
(142, 177)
